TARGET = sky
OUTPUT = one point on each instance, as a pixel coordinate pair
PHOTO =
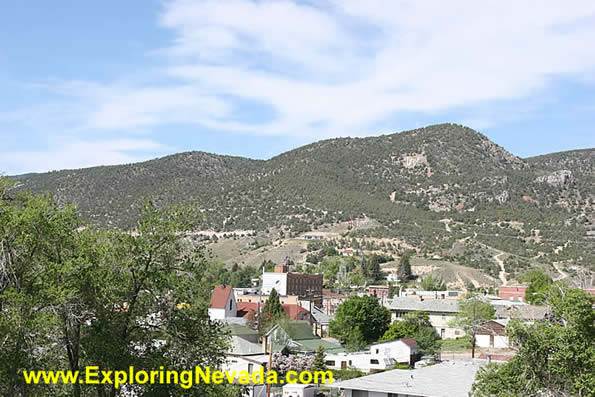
(89, 83)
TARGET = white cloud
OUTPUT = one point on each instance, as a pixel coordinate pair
(340, 67)
(75, 153)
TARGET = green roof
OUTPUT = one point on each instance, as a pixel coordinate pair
(297, 330)
(312, 345)
(241, 330)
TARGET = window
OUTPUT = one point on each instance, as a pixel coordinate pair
(444, 316)
(373, 361)
(230, 302)
(377, 351)
(250, 368)
(332, 363)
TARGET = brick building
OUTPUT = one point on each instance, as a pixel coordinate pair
(512, 293)
(306, 286)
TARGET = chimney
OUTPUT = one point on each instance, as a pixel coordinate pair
(281, 268)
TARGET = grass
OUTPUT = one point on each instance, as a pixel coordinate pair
(455, 345)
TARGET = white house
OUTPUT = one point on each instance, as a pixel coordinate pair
(447, 379)
(380, 356)
(440, 313)
(223, 304)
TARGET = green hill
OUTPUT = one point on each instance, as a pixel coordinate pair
(410, 182)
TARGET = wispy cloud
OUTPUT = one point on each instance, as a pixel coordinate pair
(336, 67)
(67, 154)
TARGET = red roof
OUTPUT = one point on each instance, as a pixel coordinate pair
(220, 296)
(410, 342)
(244, 308)
(292, 311)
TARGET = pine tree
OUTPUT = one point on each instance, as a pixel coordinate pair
(273, 310)
(404, 271)
(319, 364)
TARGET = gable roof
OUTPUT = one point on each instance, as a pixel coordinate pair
(426, 305)
(296, 330)
(320, 317)
(220, 296)
(293, 311)
(410, 342)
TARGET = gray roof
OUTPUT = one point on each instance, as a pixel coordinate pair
(241, 346)
(427, 305)
(523, 312)
(320, 317)
(447, 379)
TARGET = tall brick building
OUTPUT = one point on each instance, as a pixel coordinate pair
(306, 286)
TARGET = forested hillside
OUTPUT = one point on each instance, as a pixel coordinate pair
(432, 187)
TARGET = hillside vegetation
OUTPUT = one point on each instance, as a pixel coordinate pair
(443, 189)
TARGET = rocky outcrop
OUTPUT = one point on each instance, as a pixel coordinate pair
(557, 178)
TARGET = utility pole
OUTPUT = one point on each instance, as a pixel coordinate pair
(473, 331)
(269, 367)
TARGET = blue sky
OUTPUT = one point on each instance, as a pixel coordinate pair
(90, 83)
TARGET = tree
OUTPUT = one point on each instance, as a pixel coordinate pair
(429, 283)
(355, 340)
(73, 296)
(373, 267)
(404, 271)
(414, 325)
(273, 310)
(319, 364)
(360, 314)
(473, 311)
(539, 284)
(555, 356)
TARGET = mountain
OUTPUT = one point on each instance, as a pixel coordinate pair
(431, 187)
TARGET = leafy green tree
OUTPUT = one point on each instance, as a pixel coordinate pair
(429, 283)
(72, 296)
(539, 284)
(355, 340)
(360, 314)
(555, 356)
(404, 271)
(414, 325)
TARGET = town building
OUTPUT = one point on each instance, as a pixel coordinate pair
(331, 300)
(492, 334)
(223, 304)
(320, 321)
(421, 295)
(253, 297)
(296, 337)
(380, 356)
(306, 286)
(440, 312)
(293, 312)
(512, 293)
(379, 291)
(447, 379)
(527, 313)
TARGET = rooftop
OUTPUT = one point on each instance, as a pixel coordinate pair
(292, 311)
(447, 379)
(427, 305)
(320, 316)
(219, 297)
(522, 312)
